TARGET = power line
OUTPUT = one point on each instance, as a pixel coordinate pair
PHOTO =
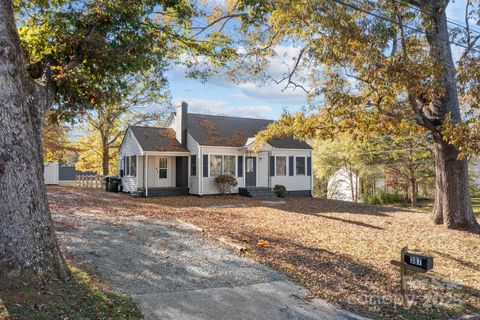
(357, 8)
(431, 13)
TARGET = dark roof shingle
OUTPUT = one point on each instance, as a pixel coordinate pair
(157, 139)
(212, 130)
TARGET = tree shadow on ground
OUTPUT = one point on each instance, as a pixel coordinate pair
(362, 288)
(471, 265)
(357, 223)
(126, 205)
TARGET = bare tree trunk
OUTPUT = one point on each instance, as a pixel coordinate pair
(105, 158)
(413, 192)
(28, 245)
(452, 202)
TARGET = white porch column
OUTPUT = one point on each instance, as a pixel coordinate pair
(145, 181)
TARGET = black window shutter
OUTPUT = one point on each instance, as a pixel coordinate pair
(240, 167)
(309, 166)
(205, 165)
(291, 168)
(272, 166)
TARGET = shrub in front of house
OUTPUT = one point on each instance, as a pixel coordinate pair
(383, 197)
(225, 183)
(280, 191)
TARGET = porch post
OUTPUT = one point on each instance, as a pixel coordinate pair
(145, 181)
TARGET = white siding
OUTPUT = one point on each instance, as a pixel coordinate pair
(262, 169)
(208, 185)
(193, 147)
(130, 147)
(293, 183)
(50, 172)
(340, 185)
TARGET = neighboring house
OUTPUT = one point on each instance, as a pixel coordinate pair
(50, 172)
(345, 185)
(187, 154)
(62, 175)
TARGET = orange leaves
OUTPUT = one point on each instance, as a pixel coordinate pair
(264, 244)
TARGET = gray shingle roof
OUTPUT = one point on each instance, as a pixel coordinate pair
(157, 139)
(212, 130)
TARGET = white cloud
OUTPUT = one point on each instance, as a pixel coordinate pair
(223, 107)
(266, 89)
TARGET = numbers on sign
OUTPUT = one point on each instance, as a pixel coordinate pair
(415, 261)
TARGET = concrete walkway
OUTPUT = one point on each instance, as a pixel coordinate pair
(173, 272)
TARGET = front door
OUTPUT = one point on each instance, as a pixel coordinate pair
(251, 172)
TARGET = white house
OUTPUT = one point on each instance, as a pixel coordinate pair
(187, 154)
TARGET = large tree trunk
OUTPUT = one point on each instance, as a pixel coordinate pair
(452, 202)
(452, 197)
(28, 245)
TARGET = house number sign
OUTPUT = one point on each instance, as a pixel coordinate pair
(414, 263)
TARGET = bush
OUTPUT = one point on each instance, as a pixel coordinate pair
(280, 190)
(225, 183)
(383, 197)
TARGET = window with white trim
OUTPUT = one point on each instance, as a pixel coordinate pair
(222, 165)
(280, 166)
(229, 165)
(215, 165)
(162, 168)
(127, 166)
(300, 166)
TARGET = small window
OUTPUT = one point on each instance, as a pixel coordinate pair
(215, 166)
(229, 165)
(127, 166)
(250, 165)
(193, 165)
(162, 168)
(300, 166)
(133, 170)
(281, 166)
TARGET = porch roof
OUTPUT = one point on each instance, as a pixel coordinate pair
(153, 139)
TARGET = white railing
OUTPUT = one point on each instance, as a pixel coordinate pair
(90, 181)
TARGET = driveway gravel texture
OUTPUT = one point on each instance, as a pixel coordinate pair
(173, 272)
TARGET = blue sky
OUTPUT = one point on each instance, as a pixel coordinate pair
(251, 99)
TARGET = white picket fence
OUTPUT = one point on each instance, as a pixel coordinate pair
(90, 181)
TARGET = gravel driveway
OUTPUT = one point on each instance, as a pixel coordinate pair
(173, 272)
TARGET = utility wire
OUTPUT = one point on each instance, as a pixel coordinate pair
(379, 16)
(432, 13)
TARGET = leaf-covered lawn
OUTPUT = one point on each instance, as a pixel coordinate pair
(340, 251)
(81, 297)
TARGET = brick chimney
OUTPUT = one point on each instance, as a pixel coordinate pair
(181, 123)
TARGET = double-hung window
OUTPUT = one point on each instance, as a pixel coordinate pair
(130, 166)
(222, 165)
(162, 168)
(300, 166)
(127, 166)
(229, 165)
(280, 166)
(133, 163)
(193, 165)
(215, 165)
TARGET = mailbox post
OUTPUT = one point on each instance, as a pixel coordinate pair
(411, 262)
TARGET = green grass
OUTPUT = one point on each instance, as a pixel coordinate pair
(476, 206)
(427, 206)
(81, 297)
